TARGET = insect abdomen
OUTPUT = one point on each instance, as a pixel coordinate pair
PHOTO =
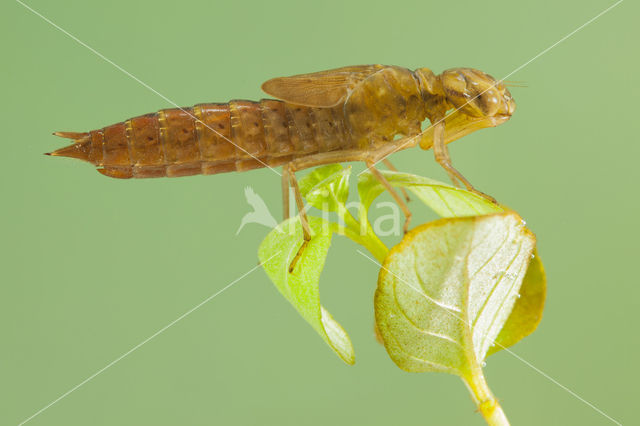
(209, 139)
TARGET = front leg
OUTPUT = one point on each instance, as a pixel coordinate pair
(441, 154)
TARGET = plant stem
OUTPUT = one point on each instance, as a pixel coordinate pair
(487, 404)
(368, 239)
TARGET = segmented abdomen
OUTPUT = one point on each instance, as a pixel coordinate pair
(210, 138)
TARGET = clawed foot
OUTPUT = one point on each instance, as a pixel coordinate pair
(293, 263)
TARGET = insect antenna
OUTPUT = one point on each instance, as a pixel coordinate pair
(515, 83)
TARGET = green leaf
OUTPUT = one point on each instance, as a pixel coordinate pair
(527, 312)
(317, 175)
(445, 292)
(326, 187)
(300, 287)
(369, 188)
(449, 201)
(444, 199)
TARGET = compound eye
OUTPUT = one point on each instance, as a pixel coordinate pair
(488, 102)
(473, 92)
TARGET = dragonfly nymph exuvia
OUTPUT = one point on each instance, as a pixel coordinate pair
(355, 113)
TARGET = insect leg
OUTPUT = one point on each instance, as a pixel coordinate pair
(394, 194)
(391, 167)
(304, 221)
(285, 193)
(441, 153)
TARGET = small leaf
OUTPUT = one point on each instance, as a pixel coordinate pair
(447, 289)
(369, 188)
(326, 187)
(300, 287)
(317, 175)
(449, 201)
(444, 199)
(527, 312)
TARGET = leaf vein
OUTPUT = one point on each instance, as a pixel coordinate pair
(495, 315)
(430, 298)
(424, 361)
(444, 201)
(473, 248)
(488, 297)
(414, 325)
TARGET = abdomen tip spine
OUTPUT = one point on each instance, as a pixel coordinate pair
(78, 136)
(117, 172)
(80, 150)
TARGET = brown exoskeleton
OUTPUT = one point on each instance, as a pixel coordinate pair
(356, 113)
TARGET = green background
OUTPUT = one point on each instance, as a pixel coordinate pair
(91, 266)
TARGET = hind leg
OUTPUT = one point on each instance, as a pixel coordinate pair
(285, 193)
(290, 175)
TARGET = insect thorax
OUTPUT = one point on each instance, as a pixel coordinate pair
(386, 104)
